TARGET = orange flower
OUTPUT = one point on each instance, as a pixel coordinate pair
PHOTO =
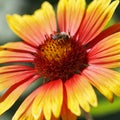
(70, 58)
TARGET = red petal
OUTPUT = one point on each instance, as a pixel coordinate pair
(11, 56)
(106, 53)
(18, 46)
(70, 14)
(98, 13)
(33, 28)
(105, 80)
(9, 75)
(107, 32)
(49, 100)
(13, 93)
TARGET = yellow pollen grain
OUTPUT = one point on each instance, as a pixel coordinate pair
(56, 49)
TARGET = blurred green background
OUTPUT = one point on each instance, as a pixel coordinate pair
(105, 109)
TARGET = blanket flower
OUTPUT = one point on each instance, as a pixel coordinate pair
(70, 51)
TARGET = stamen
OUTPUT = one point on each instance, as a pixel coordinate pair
(60, 57)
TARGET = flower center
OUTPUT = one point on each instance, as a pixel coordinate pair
(60, 57)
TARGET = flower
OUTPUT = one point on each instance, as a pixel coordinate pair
(70, 58)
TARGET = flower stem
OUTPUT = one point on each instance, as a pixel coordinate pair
(87, 115)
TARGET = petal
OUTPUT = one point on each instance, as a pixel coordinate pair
(47, 17)
(105, 80)
(13, 93)
(106, 53)
(32, 28)
(107, 32)
(49, 100)
(26, 116)
(24, 111)
(12, 56)
(66, 114)
(98, 13)
(86, 90)
(70, 14)
(79, 93)
(9, 75)
(72, 100)
(15, 68)
(18, 46)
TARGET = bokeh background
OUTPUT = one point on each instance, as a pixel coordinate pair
(105, 109)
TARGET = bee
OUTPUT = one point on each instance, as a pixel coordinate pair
(61, 35)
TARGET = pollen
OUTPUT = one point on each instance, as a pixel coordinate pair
(60, 57)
